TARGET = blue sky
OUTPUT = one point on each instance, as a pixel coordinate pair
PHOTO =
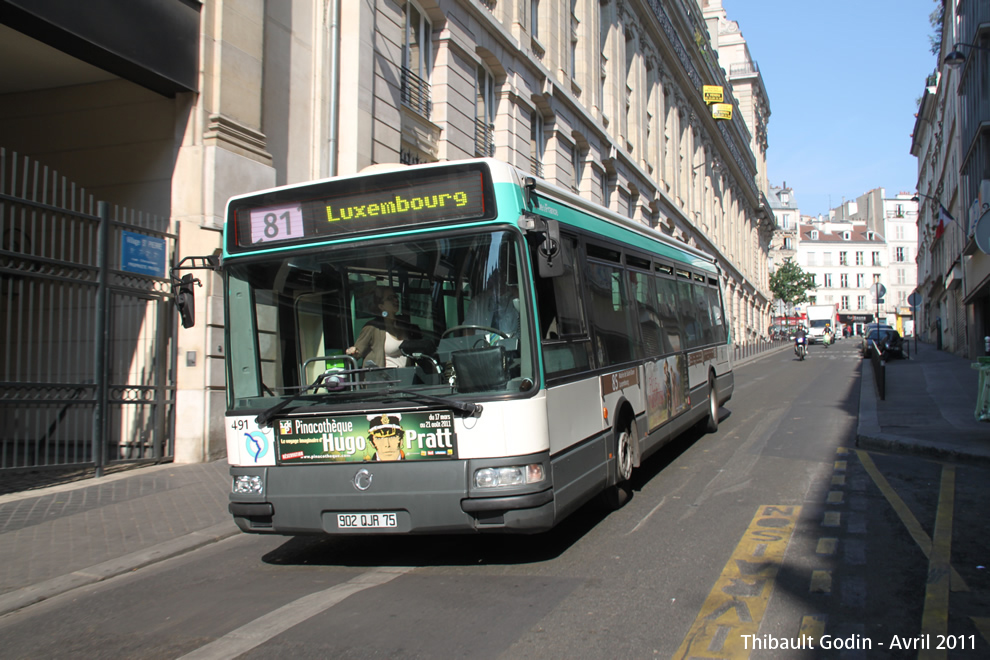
(843, 79)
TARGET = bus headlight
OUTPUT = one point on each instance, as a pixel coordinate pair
(512, 475)
(249, 484)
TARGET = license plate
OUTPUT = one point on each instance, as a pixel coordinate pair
(365, 520)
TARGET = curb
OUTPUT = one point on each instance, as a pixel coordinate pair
(36, 593)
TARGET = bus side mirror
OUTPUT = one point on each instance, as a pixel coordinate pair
(185, 300)
(183, 288)
(545, 234)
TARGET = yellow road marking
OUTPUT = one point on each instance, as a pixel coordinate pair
(813, 627)
(835, 497)
(821, 582)
(907, 518)
(827, 545)
(736, 604)
(831, 519)
(935, 617)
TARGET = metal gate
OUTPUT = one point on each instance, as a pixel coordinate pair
(87, 331)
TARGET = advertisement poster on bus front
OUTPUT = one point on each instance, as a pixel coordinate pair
(665, 381)
(361, 438)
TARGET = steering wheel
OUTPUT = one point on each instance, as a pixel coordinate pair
(484, 328)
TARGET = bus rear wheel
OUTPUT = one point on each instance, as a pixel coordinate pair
(616, 495)
(712, 424)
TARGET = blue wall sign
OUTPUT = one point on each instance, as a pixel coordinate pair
(140, 253)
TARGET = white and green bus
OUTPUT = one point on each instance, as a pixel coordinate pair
(454, 347)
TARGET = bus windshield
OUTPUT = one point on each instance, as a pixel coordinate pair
(434, 315)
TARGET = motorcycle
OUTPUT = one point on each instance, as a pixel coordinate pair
(800, 347)
(826, 339)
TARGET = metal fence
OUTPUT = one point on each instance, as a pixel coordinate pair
(86, 326)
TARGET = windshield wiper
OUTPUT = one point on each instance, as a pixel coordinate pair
(466, 407)
(333, 380)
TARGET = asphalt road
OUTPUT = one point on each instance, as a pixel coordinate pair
(774, 531)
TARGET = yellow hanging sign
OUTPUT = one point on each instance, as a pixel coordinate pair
(712, 93)
(722, 110)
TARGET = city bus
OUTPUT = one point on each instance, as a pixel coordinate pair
(454, 347)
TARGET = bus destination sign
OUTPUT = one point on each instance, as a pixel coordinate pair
(337, 208)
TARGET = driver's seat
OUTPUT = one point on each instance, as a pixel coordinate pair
(480, 369)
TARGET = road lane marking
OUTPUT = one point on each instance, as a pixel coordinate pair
(907, 518)
(738, 600)
(813, 627)
(935, 617)
(827, 545)
(274, 623)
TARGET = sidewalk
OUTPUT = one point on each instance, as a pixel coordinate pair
(53, 540)
(928, 408)
(56, 539)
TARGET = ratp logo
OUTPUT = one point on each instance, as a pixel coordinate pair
(257, 445)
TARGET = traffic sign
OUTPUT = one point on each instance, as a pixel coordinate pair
(915, 299)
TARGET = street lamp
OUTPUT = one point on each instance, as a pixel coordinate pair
(955, 58)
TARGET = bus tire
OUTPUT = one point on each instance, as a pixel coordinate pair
(616, 495)
(712, 424)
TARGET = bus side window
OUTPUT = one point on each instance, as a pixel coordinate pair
(703, 313)
(640, 285)
(563, 325)
(611, 314)
(718, 323)
(670, 327)
(688, 313)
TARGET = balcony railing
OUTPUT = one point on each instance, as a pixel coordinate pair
(416, 93)
(484, 138)
(744, 69)
(536, 166)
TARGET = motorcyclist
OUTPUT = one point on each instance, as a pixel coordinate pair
(827, 335)
(800, 337)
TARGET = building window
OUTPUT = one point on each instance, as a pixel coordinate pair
(417, 61)
(484, 118)
(574, 43)
(788, 243)
(814, 234)
(844, 281)
(900, 254)
(860, 281)
(876, 258)
(812, 259)
(827, 280)
(860, 302)
(577, 163)
(859, 258)
(844, 302)
(534, 18)
(901, 276)
(537, 143)
(843, 258)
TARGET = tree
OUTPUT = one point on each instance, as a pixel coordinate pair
(935, 20)
(790, 284)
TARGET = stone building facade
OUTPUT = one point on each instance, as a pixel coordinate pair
(599, 96)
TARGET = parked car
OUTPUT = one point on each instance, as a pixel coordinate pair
(889, 341)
